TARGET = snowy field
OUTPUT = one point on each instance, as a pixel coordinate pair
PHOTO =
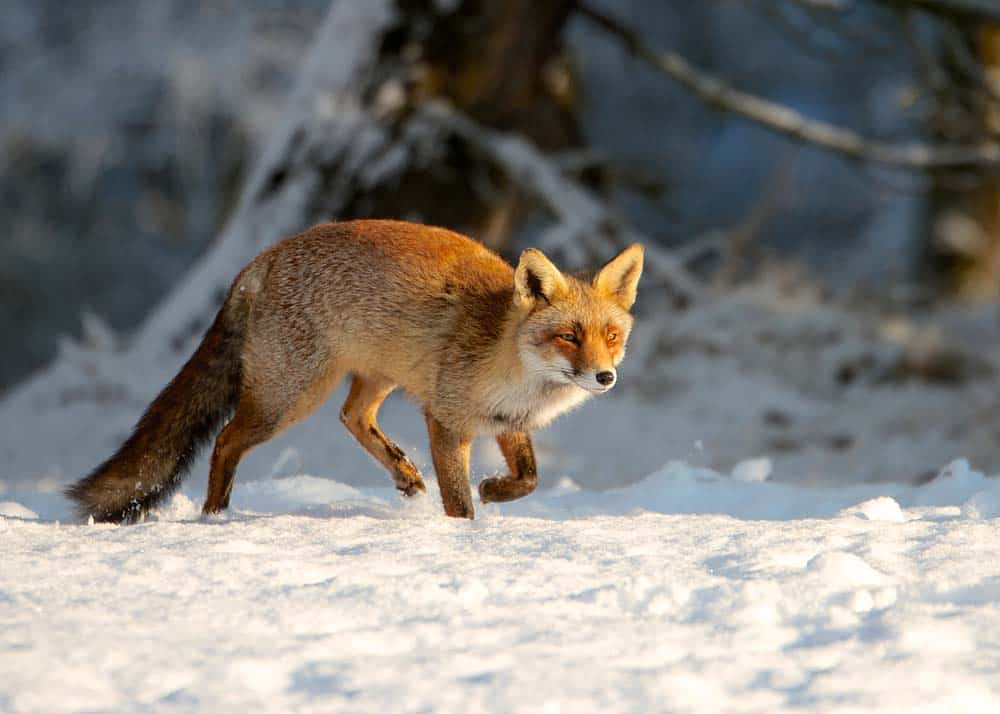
(688, 591)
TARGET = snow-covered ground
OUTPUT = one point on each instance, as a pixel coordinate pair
(688, 591)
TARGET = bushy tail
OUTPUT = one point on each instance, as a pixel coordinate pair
(183, 417)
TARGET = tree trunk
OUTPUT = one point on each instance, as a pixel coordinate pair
(966, 220)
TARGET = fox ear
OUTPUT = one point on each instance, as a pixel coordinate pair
(620, 277)
(536, 277)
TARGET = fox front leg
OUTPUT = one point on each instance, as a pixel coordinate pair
(450, 452)
(359, 416)
(523, 478)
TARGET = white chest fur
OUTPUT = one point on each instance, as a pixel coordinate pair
(530, 404)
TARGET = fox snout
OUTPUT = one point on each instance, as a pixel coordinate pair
(595, 380)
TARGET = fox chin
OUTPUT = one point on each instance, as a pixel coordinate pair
(482, 346)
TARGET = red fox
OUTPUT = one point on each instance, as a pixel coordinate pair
(482, 346)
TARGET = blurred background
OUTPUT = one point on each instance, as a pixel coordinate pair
(819, 181)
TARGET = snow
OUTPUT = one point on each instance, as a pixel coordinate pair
(752, 470)
(688, 590)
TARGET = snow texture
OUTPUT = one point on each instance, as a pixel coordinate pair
(688, 591)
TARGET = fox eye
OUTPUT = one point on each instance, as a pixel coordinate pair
(568, 337)
(612, 337)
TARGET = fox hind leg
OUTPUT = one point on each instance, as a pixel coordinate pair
(265, 409)
(247, 429)
(523, 478)
(359, 416)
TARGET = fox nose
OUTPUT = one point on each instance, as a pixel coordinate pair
(605, 378)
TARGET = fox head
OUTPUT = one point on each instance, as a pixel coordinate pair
(574, 330)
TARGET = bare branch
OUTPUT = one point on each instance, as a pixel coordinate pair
(784, 120)
(582, 218)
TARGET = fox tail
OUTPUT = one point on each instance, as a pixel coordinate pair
(184, 416)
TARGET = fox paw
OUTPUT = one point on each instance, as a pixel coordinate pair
(487, 488)
(411, 488)
(498, 489)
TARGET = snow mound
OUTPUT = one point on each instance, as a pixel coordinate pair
(882, 508)
(846, 569)
(752, 470)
